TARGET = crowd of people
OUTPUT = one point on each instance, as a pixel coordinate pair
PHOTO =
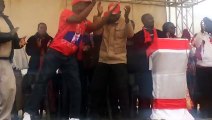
(96, 70)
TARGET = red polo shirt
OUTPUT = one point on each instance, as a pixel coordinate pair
(69, 35)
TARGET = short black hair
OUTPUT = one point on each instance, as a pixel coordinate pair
(208, 24)
(143, 16)
(42, 23)
(166, 26)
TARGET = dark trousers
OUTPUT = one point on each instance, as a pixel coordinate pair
(86, 75)
(68, 65)
(144, 81)
(114, 77)
(204, 82)
(134, 95)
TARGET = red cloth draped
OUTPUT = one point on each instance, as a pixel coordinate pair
(169, 104)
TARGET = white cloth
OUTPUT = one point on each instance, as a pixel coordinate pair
(206, 52)
(20, 60)
(169, 73)
(169, 81)
(179, 114)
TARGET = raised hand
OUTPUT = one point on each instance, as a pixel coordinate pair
(99, 8)
(22, 41)
(127, 12)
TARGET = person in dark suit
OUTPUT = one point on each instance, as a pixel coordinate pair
(36, 48)
(9, 41)
(142, 40)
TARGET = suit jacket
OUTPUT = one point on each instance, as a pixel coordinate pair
(140, 59)
(36, 52)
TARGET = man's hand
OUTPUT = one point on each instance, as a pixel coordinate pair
(99, 23)
(22, 41)
(127, 12)
(99, 8)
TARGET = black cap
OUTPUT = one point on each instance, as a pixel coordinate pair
(208, 24)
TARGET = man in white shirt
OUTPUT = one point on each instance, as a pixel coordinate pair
(203, 44)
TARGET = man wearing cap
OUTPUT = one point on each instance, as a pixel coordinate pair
(61, 54)
(8, 42)
(111, 70)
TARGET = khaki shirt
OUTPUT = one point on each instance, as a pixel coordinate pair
(114, 40)
(5, 48)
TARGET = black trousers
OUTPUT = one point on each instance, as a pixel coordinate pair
(144, 81)
(114, 77)
(204, 85)
(86, 75)
(70, 74)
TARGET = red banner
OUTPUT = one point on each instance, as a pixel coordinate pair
(168, 43)
(169, 104)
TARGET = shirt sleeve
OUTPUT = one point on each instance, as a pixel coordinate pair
(196, 41)
(87, 29)
(5, 37)
(65, 15)
(16, 42)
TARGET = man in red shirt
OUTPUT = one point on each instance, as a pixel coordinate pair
(62, 54)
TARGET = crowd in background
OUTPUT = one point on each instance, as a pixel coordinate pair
(96, 70)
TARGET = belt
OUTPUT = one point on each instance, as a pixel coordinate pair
(4, 58)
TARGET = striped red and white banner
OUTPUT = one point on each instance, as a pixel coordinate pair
(168, 62)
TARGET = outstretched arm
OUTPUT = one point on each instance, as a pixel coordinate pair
(5, 37)
(77, 18)
(99, 23)
(129, 28)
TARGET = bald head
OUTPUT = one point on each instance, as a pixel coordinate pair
(148, 21)
(2, 6)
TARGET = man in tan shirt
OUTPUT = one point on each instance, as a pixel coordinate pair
(8, 41)
(111, 70)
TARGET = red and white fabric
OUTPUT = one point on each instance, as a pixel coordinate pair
(168, 61)
(203, 44)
